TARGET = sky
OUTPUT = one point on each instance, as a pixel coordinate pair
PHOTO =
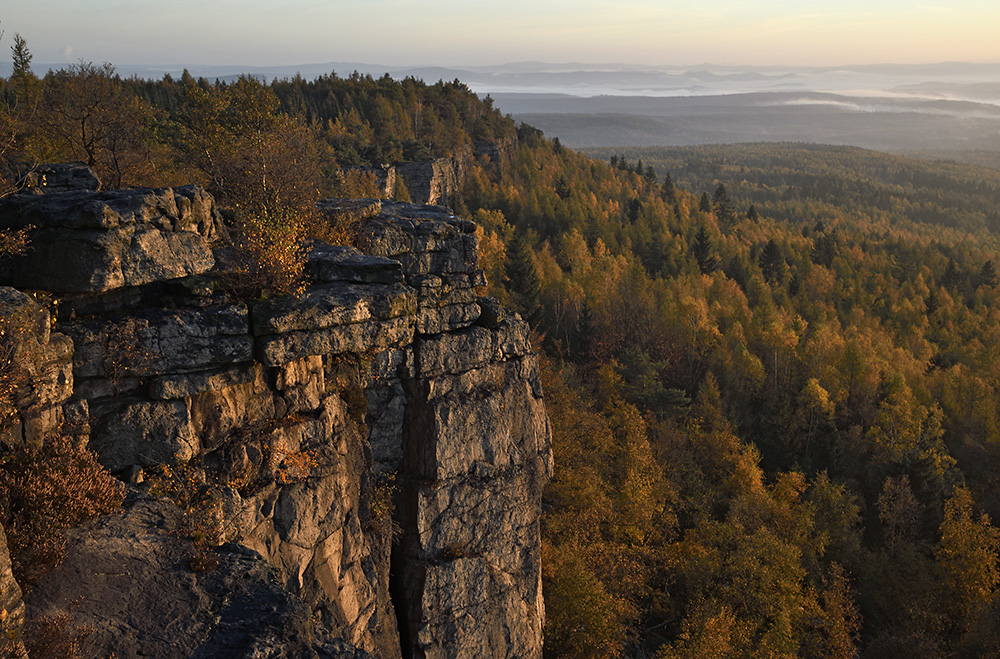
(475, 32)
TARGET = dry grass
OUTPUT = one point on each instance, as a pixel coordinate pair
(51, 637)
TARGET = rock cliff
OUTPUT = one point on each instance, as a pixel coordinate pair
(436, 181)
(370, 454)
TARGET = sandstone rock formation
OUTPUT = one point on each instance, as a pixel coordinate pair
(380, 442)
(92, 242)
(11, 604)
(435, 181)
(143, 601)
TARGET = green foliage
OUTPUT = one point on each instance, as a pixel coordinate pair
(702, 250)
(521, 276)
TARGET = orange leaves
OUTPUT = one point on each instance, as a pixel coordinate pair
(967, 557)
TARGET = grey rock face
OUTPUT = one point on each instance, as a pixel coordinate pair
(40, 369)
(61, 177)
(469, 557)
(87, 242)
(142, 600)
(434, 181)
(378, 419)
(329, 263)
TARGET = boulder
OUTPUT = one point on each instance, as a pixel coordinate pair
(60, 177)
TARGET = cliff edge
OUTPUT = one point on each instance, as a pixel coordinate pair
(367, 458)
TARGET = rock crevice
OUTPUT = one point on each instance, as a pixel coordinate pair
(383, 431)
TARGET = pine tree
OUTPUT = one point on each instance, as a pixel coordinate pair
(632, 210)
(583, 335)
(952, 278)
(650, 175)
(987, 275)
(668, 191)
(824, 250)
(772, 262)
(723, 207)
(702, 250)
(522, 278)
(705, 204)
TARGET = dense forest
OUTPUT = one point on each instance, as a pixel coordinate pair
(773, 374)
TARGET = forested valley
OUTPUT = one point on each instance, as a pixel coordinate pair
(772, 372)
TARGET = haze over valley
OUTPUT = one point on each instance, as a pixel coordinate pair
(947, 109)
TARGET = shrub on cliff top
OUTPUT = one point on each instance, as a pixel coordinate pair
(268, 255)
(42, 493)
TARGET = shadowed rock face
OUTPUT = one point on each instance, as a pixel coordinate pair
(142, 600)
(388, 380)
(92, 242)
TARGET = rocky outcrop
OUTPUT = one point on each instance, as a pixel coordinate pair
(36, 363)
(142, 600)
(87, 242)
(60, 177)
(435, 181)
(379, 442)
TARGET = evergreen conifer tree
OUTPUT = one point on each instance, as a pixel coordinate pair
(702, 250)
(723, 207)
(987, 275)
(772, 262)
(668, 191)
(705, 204)
(522, 278)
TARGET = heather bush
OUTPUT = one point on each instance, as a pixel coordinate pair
(42, 493)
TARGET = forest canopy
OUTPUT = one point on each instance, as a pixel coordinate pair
(773, 373)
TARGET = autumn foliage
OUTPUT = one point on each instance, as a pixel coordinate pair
(774, 397)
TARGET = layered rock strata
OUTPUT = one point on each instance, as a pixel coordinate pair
(380, 441)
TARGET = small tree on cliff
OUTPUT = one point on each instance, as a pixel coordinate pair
(264, 166)
(87, 114)
(17, 108)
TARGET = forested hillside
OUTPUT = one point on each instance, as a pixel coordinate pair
(776, 429)
(804, 183)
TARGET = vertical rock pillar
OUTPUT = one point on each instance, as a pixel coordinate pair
(475, 456)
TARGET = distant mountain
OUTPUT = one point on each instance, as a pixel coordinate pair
(948, 79)
(948, 106)
(887, 124)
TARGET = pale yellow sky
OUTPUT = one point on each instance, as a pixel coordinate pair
(453, 33)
